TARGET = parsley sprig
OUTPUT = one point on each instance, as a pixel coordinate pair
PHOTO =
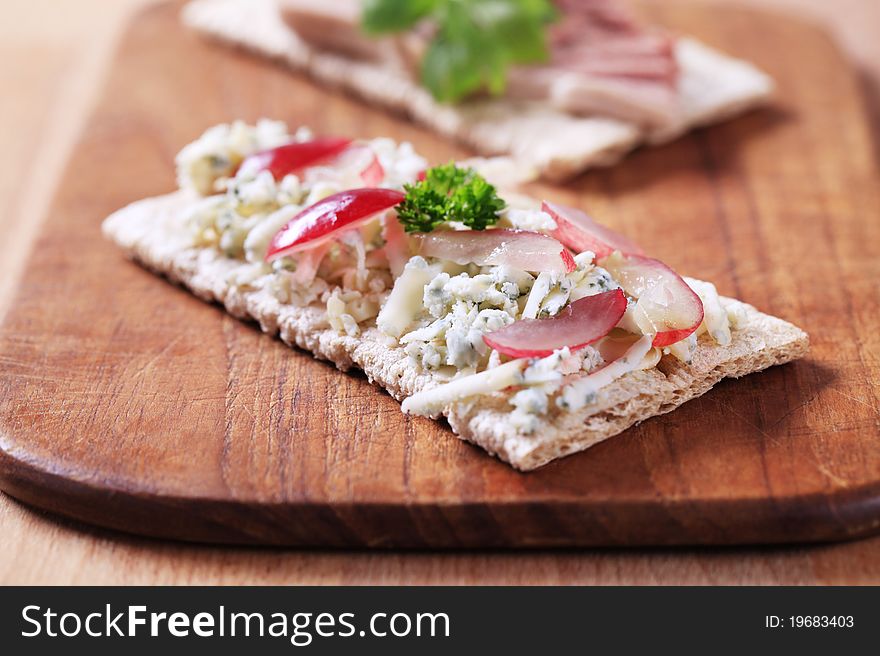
(449, 193)
(474, 42)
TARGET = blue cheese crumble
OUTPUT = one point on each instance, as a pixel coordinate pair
(457, 310)
(438, 311)
(221, 149)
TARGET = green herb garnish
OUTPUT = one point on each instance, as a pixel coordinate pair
(474, 41)
(449, 193)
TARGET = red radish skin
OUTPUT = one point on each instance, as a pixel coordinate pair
(670, 337)
(579, 232)
(640, 275)
(327, 218)
(580, 324)
(374, 173)
(362, 158)
(521, 249)
(295, 156)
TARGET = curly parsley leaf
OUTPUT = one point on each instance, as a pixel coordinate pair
(382, 16)
(474, 42)
(423, 209)
(449, 193)
(476, 204)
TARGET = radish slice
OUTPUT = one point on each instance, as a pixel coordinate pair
(325, 219)
(667, 307)
(581, 323)
(520, 249)
(374, 173)
(362, 159)
(295, 156)
(308, 263)
(579, 232)
(397, 247)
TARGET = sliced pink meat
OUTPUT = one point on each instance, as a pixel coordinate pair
(645, 102)
(603, 62)
(334, 25)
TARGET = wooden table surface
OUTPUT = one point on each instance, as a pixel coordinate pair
(53, 56)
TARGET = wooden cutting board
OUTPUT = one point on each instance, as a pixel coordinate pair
(127, 403)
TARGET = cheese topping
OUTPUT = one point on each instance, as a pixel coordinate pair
(218, 152)
(584, 391)
(715, 319)
(432, 401)
(437, 311)
(405, 300)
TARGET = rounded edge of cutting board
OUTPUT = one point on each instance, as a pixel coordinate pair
(841, 513)
(844, 514)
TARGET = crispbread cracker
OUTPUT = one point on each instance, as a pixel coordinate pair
(713, 86)
(152, 233)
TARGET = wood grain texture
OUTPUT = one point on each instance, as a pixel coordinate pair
(36, 548)
(779, 440)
